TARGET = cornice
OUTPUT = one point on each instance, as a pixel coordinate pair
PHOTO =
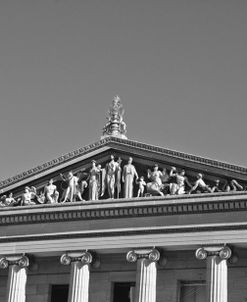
(120, 142)
(149, 207)
(181, 155)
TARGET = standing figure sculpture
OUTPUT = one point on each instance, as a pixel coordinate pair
(155, 186)
(111, 171)
(129, 173)
(178, 186)
(118, 177)
(72, 192)
(142, 184)
(51, 193)
(94, 181)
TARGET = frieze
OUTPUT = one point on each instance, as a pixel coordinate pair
(115, 141)
(143, 208)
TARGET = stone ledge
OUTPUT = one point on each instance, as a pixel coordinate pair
(126, 208)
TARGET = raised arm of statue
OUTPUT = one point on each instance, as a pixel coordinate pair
(149, 173)
(173, 172)
(194, 187)
(63, 177)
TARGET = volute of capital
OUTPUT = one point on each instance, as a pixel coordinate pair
(84, 257)
(22, 261)
(153, 255)
(223, 253)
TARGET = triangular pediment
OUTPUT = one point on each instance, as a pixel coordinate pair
(144, 158)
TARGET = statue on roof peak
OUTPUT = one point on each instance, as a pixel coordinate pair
(115, 125)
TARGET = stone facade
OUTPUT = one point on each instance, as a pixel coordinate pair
(180, 267)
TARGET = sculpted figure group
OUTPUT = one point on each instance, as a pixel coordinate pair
(115, 181)
(115, 124)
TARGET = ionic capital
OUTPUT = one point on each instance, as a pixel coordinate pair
(152, 255)
(223, 252)
(84, 257)
(21, 260)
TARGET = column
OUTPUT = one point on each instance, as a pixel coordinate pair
(146, 273)
(17, 279)
(79, 275)
(216, 280)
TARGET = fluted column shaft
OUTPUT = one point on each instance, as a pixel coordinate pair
(17, 278)
(16, 288)
(216, 272)
(217, 279)
(79, 282)
(79, 275)
(145, 281)
(146, 274)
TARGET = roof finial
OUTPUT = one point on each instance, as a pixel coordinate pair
(115, 125)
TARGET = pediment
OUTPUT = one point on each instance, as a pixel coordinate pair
(144, 158)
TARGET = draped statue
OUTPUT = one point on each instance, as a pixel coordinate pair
(94, 181)
(129, 173)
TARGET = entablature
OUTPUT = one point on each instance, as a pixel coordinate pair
(153, 207)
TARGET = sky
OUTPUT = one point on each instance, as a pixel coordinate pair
(179, 67)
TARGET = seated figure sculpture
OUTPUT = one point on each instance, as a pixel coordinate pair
(155, 186)
(8, 201)
(200, 185)
(51, 193)
(28, 196)
(178, 186)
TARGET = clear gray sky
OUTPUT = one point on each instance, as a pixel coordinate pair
(179, 66)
